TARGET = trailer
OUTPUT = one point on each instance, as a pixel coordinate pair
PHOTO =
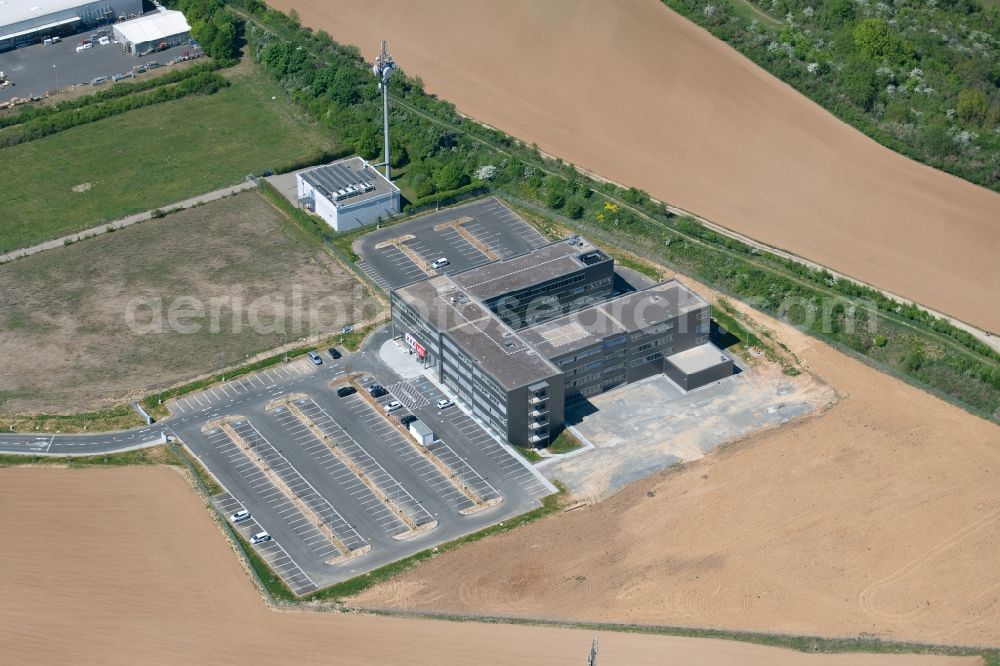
(420, 432)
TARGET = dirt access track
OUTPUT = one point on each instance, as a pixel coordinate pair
(125, 566)
(637, 94)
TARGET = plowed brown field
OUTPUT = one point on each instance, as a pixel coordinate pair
(881, 516)
(637, 94)
(124, 566)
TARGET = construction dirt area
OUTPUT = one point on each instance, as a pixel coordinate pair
(144, 576)
(644, 427)
(635, 93)
(879, 516)
(161, 302)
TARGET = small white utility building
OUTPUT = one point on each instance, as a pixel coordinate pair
(162, 29)
(347, 194)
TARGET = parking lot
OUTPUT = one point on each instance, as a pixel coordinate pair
(40, 69)
(492, 226)
(335, 483)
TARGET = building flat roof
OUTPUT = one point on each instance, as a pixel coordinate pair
(698, 358)
(525, 270)
(153, 27)
(348, 182)
(641, 309)
(40, 28)
(571, 333)
(494, 345)
(629, 312)
(16, 11)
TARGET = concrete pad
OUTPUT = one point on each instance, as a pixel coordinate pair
(644, 427)
(406, 365)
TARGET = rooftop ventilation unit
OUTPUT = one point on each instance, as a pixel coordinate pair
(591, 258)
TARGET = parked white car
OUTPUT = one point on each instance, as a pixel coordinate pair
(392, 406)
(240, 516)
(260, 537)
(440, 263)
(84, 47)
(444, 403)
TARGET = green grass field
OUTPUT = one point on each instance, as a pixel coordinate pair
(151, 157)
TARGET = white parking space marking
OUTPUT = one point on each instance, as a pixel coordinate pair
(271, 551)
(360, 457)
(303, 489)
(400, 447)
(477, 435)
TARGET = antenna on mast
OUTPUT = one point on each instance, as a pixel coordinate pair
(383, 68)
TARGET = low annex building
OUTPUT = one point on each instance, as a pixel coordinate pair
(347, 194)
(518, 340)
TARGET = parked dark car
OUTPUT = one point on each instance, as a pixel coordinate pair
(334, 354)
(407, 420)
(378, 392)
(345, 391)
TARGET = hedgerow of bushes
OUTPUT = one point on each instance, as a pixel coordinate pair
(203, 82)
(31, 112)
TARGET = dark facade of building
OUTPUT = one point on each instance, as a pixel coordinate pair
(517, 340)
(623, 339)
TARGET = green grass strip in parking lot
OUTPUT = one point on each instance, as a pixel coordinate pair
(338, 592)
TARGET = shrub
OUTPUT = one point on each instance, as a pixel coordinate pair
(972, 106)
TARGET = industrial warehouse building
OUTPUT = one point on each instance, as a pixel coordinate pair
(24, 22)
(347, 194)
(152, 32)
(518, 340)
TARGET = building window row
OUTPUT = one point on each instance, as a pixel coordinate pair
(659, 328)
(585, 379)
(652, 345)
(635, 363)
(614, 342)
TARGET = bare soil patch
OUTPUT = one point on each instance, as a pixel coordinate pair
(67, 338)
(880, 516)
(124, 566)
(637, 94)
